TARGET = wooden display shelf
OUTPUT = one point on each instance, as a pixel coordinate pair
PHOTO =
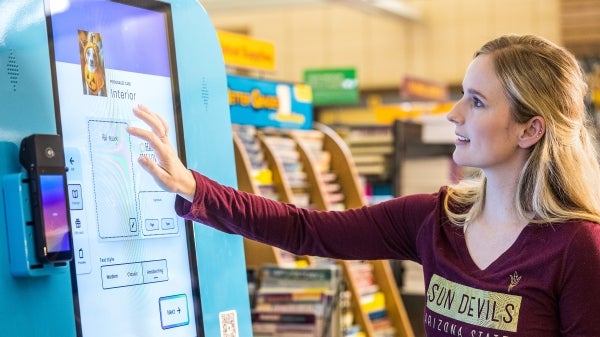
(342, 165)
(258, 253)
(394, 304)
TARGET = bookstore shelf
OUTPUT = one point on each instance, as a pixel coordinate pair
(331, 183)
(247, 173)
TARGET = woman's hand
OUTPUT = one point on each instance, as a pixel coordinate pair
(169, 172)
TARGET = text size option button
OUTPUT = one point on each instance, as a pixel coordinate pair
(155, 271)
(121, 275)
(173, 311)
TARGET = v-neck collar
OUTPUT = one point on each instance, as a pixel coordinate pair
(469, 263)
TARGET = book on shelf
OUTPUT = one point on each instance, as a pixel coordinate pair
(271, 325)
(332, 187)
(297, 179)
(260, 172)
(323, 161)
(329, 177)
(369, 159)
(382, 324)
(290, 260)
(362, 276)
(295, 301)
(313, 142)
(298, 319)
(377, 315)
(373, 304)
(301, 199)
(311, 139)
(334, 198)
(291, 296)
(372, 300)
(293, 306)
(286, 334)
(371, 169)
(285, 150)
(317, 277)
(349, 327)
(387, 332)
(354, 331)
(386, 149)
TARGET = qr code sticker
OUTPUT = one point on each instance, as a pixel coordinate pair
(228, 323)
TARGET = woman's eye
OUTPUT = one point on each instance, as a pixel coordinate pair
(477, 102)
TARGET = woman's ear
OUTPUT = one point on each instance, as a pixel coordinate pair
(534, 130)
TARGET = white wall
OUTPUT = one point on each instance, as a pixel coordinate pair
(384, 48)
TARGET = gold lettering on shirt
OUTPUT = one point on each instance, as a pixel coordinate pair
(486, 309)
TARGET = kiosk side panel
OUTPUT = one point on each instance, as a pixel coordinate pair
(209, 149)
(30, 306)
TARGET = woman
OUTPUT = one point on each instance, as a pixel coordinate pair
(512, 252)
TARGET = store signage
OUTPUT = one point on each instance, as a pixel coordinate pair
(333, 86)
(269, 103)
(421, 89)
(245, 52)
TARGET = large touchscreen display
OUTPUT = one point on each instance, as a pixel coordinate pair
(133, 269)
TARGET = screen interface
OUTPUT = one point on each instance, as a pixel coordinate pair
(54, 212)
(133, 269)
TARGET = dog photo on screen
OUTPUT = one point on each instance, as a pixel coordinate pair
(92, 63)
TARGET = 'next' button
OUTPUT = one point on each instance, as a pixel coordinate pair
(173, 311)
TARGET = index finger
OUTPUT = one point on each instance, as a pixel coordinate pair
(154, 121)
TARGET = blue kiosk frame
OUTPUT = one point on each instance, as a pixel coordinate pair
(43, 306)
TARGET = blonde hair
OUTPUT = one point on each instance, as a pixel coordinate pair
(561, 179)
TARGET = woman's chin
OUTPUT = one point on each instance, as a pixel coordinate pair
(461, 161)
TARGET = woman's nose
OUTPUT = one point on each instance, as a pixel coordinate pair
(453, 115)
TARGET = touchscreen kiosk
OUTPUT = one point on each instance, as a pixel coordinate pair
(133, 271)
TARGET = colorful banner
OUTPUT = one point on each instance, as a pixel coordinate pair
(269, 103)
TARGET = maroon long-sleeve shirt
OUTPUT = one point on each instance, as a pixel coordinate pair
(546, 284)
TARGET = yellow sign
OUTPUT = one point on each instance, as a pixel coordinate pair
(242, 51)
(386, 114)
(421, 89)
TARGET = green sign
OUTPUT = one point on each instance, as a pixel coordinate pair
(332, 86)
